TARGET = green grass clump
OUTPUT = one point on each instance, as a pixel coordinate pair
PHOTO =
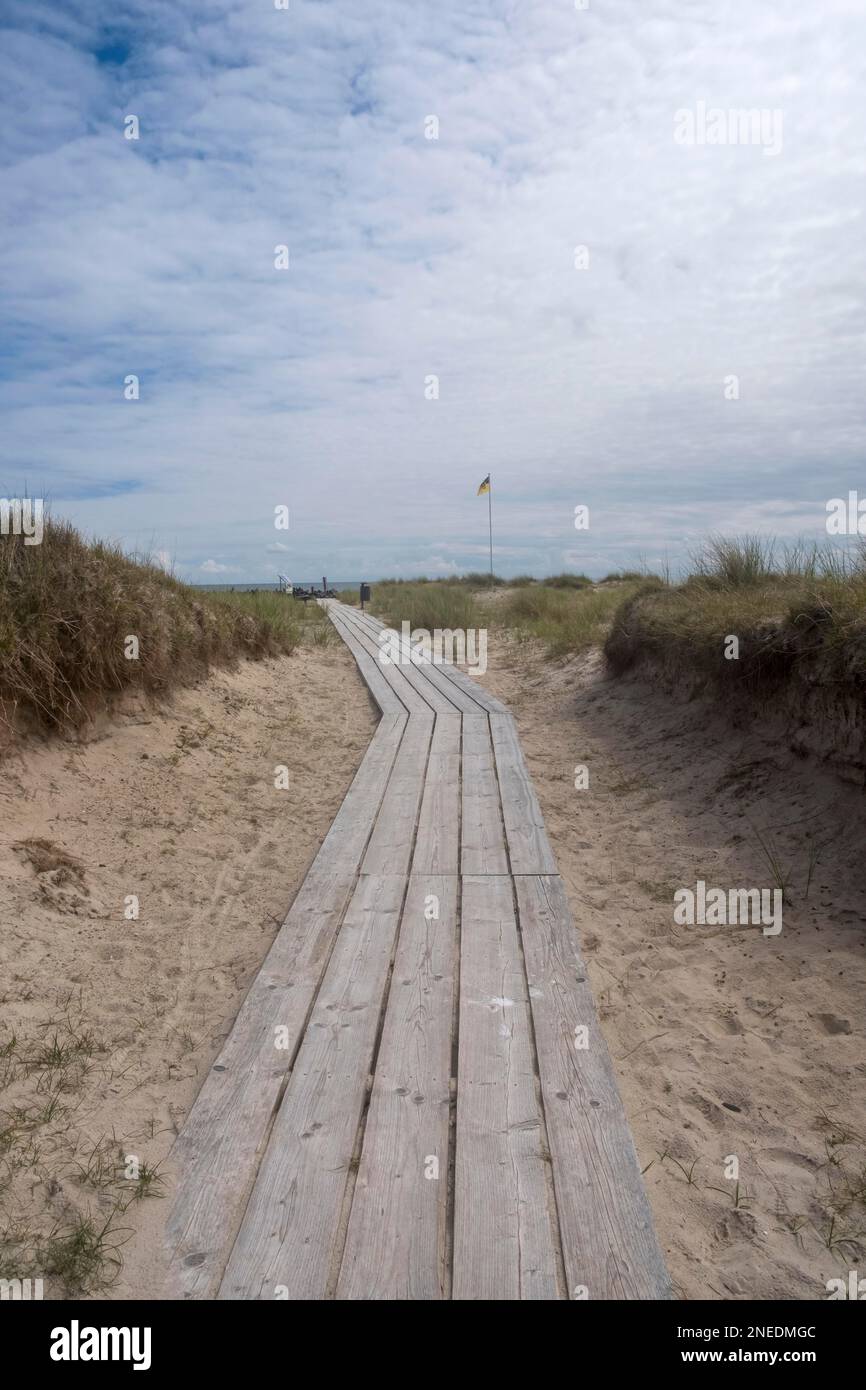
(567, 612)
(567, 620)
(426, 605)
(479, 579)
(475, 579)
(802, 606)
(567, 581)
(723, 563)
(277, 617)
(85, 1257)
(68, 606)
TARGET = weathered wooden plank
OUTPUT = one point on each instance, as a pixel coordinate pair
(609, 1245)
(473, 688)
(436, 675)
(353, 824)
(396, 1242)
(482, 848)
(381, 690)
(289, 1241)
(457, 677)
(367, 654)
(217, 1151)
(505, 1244)
(412, 667)
(436, 845)
(469, 685)
(509, 1204)
(528, 846)
(393, 837)
(416, 693)
(214, 1158)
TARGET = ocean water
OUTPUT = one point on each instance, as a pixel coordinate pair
(304, 583)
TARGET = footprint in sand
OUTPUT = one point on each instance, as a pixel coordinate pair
(833, 1024)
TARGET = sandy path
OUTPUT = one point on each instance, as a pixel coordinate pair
(179, 809)
(726, 1042)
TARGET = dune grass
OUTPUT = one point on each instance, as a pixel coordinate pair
(567, 612)
(567, 619)
(426, 604)
(567, 581)
(68, 609)
(789, 607)
(275, 614)
(287, 622)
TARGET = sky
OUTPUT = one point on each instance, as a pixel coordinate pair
(509, 252)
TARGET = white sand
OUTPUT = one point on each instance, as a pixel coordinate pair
(726, 1042)
(180, 809)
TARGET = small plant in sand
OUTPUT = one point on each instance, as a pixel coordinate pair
(780, 874)
(85, 1256)
(687, 1172)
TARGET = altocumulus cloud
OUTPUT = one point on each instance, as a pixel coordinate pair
(214, 567)
(412, 257)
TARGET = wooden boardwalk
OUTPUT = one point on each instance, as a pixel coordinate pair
(405, 1107)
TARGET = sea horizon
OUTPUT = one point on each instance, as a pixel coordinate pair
(245, 586)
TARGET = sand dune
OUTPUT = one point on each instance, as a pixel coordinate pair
(726, 1042)
(179, 809)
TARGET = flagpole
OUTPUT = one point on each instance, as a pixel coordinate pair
(490, 520)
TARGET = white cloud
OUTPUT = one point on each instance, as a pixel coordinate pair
(212, 567)
(412, 257)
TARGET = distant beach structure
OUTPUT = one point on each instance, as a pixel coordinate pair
(341, 584)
